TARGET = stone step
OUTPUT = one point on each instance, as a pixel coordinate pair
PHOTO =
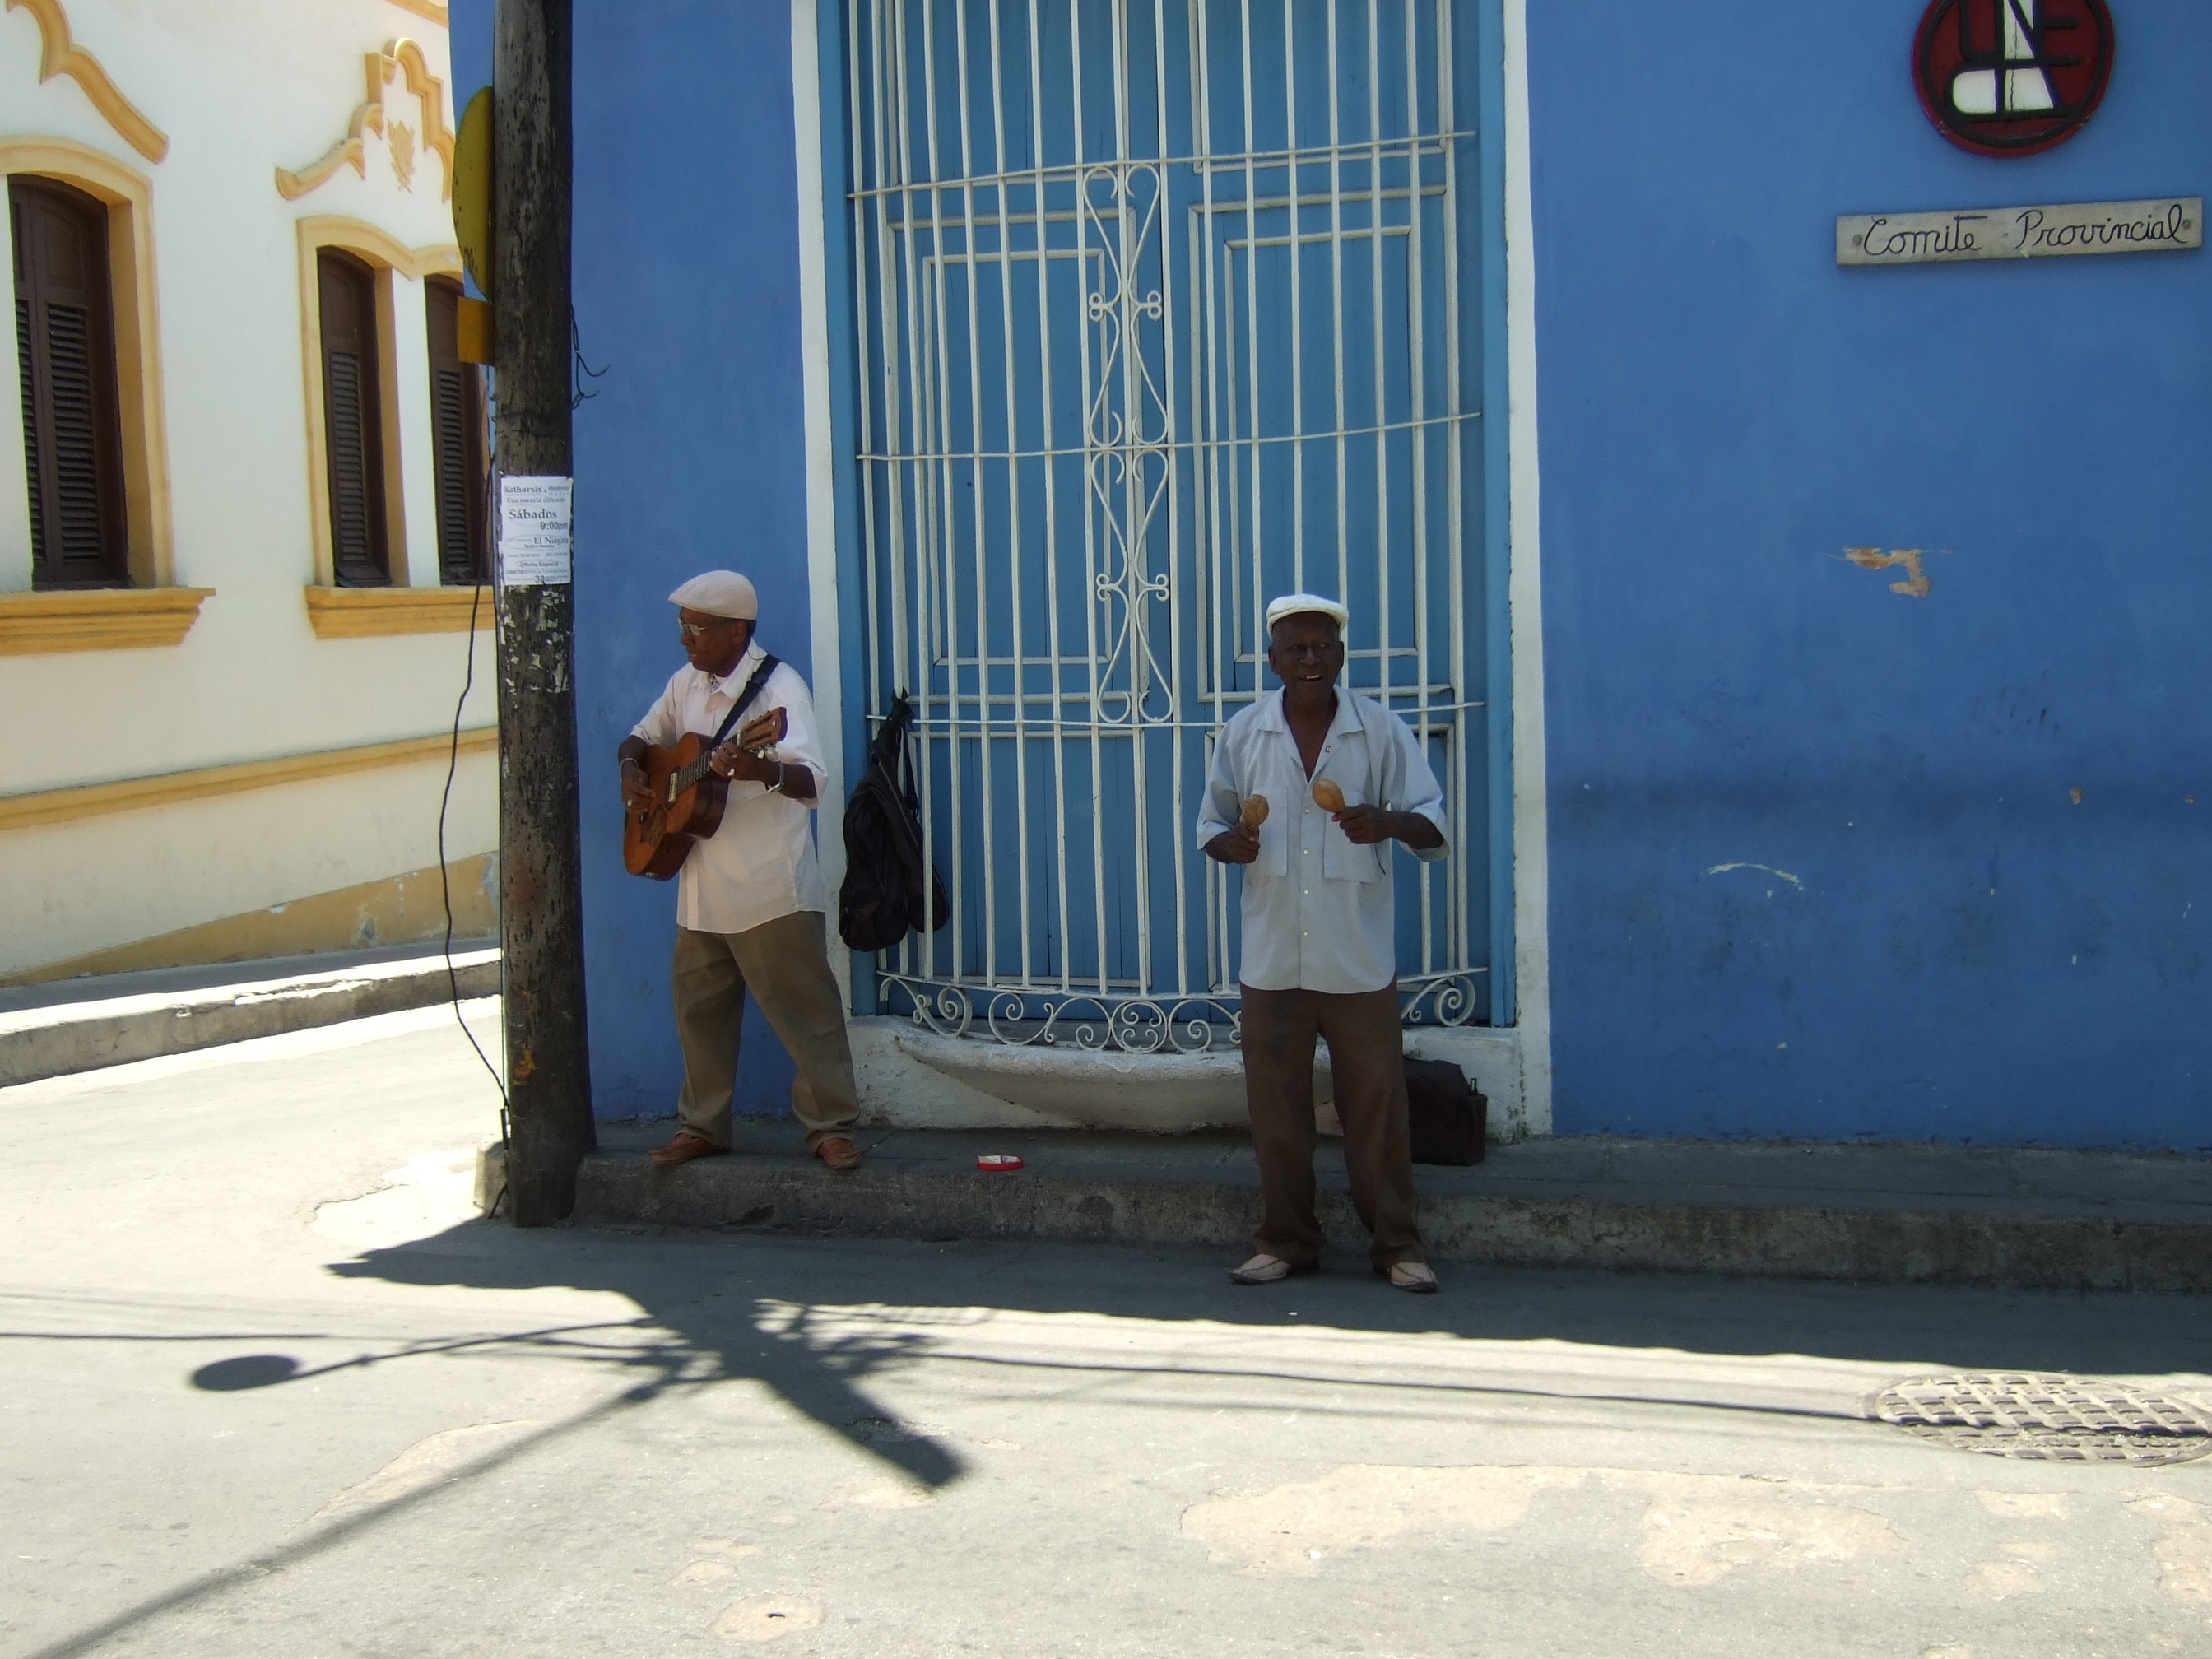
(2023, 1219)
(80, 1024)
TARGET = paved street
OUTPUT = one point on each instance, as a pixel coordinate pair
(269, 1389)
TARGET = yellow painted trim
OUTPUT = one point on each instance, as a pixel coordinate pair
(354, 613)
(391, 257)
(135, 795)
(400, 910)
(59, 55)
(141, 403)
(430, 8)
(377, 247)
(401, 59)
(97, 619)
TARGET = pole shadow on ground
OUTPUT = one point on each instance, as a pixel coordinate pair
(735, 1304)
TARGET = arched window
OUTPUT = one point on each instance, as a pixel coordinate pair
(353, 420)
(66, 345)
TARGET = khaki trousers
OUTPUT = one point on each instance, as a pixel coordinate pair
(785, 965)
(1367, 1056)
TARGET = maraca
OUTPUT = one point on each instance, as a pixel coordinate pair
(1327, 796)
(1255, 812)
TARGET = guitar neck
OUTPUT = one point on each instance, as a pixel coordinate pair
(758, 735)
(686, 777)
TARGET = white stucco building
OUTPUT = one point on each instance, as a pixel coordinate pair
(239, 489)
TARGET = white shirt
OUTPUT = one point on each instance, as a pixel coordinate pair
(1318, 911)
(759, 863)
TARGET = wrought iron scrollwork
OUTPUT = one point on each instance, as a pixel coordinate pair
(1449, 1000)
(1134, 1024)
(1129, 432)
(1129, 1025)
(947, 1010)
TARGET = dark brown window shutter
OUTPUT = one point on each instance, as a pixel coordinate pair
(353, 421)
(65, 341)
(457, 416)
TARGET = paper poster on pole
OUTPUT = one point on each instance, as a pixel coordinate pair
(534, 536)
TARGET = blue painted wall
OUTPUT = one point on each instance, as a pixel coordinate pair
(1960, 951)
(690, 453)
(469, 42)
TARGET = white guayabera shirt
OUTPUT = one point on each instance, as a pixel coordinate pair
(1318, 912)
(759, 864)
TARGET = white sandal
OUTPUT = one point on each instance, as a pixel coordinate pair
(1415, 1276)
(1261, 1269)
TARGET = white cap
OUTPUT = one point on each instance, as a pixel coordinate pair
(718, 594)
(1294, 604)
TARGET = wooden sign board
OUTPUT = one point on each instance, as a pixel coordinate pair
(2022, 232)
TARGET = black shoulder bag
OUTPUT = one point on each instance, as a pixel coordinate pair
(889, 887)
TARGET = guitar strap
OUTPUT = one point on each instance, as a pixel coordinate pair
(768, 665)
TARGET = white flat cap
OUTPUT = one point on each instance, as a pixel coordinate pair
(718, 594)
(1294, 604)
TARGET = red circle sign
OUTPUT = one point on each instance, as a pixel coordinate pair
(2010, 78)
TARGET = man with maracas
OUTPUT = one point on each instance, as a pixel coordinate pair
(1308, 787)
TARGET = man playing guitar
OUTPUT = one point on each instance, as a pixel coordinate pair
(750, 901)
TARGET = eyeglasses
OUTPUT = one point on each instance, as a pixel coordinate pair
(693, 630)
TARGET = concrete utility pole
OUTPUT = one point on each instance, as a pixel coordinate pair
(541, 898)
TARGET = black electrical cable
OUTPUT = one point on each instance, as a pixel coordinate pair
(444, 876)
(446, 800)
(579, 370)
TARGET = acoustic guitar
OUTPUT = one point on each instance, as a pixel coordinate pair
(687, 797)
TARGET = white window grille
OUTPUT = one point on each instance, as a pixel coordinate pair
(1165, 306)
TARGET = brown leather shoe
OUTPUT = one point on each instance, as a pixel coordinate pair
(686, 1146)
(839, 1153)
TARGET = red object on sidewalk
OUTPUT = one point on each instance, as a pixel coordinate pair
(999, 1163)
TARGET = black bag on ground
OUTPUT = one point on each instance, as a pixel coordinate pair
(1450, 1116)
(885, 873)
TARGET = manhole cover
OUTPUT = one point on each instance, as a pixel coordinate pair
(2055, 1419)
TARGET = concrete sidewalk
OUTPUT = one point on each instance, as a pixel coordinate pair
(1893, 1214)
(80, 1024)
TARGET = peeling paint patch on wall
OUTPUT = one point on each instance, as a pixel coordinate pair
(1907, 559)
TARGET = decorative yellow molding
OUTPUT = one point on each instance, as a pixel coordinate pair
(97, 619)
(390, 256)
(142, 403)
(377, 247)
(399, 57)
(432, 9)
(59, 55)
(131, 795)
(357, 613)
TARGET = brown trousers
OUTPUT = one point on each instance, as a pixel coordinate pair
(785, 963)
(1366, 1054)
